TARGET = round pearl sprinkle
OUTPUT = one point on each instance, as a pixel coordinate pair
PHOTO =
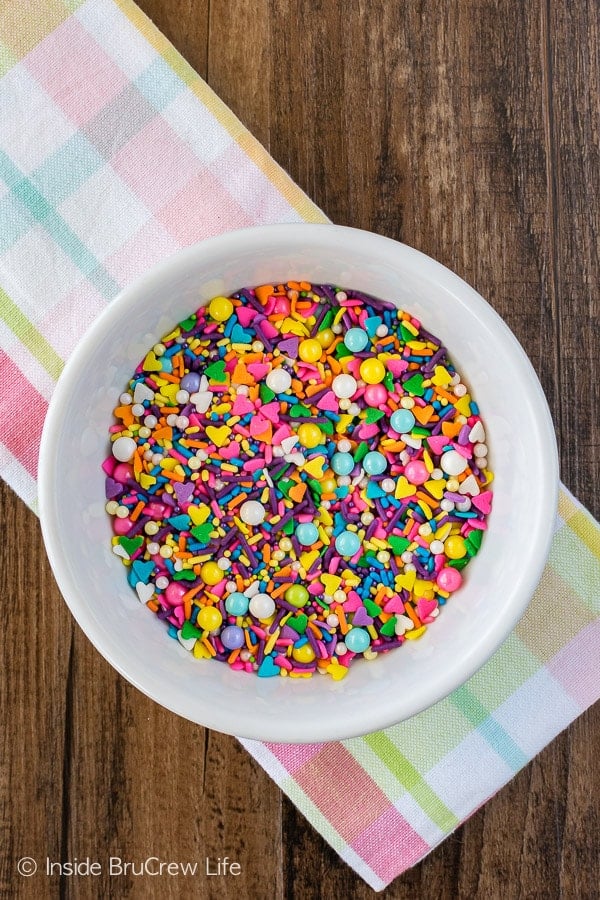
(307, 534)
(449, 579)
(344, 386)
(342, 463)
(455, 547)
(209, 618)
(232, 637)
(416, 472)
(279, 381)
(262, 606)
(347, 543)
(220, 309)
(358, 640)
(310, 350)
(237, 604)
(297, 595)
(372, 371)
(375, 394)
(310, 436)
(402, 421)
(453, 463)
(293, 473)
(374, 463)
(252, 512)
(124, 448)
(211, 573)
(356, 339)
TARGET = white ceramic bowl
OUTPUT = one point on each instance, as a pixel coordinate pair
(499, 582)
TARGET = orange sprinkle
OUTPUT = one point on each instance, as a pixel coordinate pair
(338, 610)
(233, 655)
(134, 516)
(235, 501)
(153, 605)
(412, 615)
(263, 292)
(316, 631)
(168, 376)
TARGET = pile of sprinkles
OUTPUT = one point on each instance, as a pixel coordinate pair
(297, 477)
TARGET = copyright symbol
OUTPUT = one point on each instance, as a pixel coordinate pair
(26, 866)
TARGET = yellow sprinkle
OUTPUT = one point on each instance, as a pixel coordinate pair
(415, 633)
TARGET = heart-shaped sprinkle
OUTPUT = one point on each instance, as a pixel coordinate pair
(216, 372)
(258, 425)
(298, 623)
(406, 580)
(469, 486)
(329, 402)
(145, 592)
(240, 336)
(483, 502)
(130, 545)
(202, 533)
(120, 551)
(337, 671)
(268, 668)
(199, 514)
(246, 315)
(425, 607)
(142, 392)
(201, 400)
(477, 433)
(242, 406)
(352, 602)
(184, 491)
(151, 363)
(271, 411)
(404, 488)
(289, 347)
(143, 569)
(112, 488)
(361, 617)
(259, 370)
(218, 436)
(403, 624)
(394, 605)
(389, 628)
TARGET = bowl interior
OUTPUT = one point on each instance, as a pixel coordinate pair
(499, 581)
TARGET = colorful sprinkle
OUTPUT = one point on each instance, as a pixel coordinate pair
(297, 477)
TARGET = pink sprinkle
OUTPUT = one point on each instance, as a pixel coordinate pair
(241, 406)
(283, 662)
(253, 465)
(368, 431)
(245, 314)
(283, 432)
(329, 402)
(109, 465)
(396, 366)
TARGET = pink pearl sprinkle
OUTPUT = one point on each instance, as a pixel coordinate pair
(122, 526)
(416, 472)
(449, 579)
(174, 593)
(375, 394)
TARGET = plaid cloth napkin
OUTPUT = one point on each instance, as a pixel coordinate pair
(114, 154)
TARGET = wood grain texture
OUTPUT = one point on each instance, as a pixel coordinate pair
(469, 129)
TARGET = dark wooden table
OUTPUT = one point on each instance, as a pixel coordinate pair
(471, 130)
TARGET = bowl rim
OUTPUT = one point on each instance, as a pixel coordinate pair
(548, 472)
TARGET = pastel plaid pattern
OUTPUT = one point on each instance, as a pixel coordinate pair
(114, 154)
